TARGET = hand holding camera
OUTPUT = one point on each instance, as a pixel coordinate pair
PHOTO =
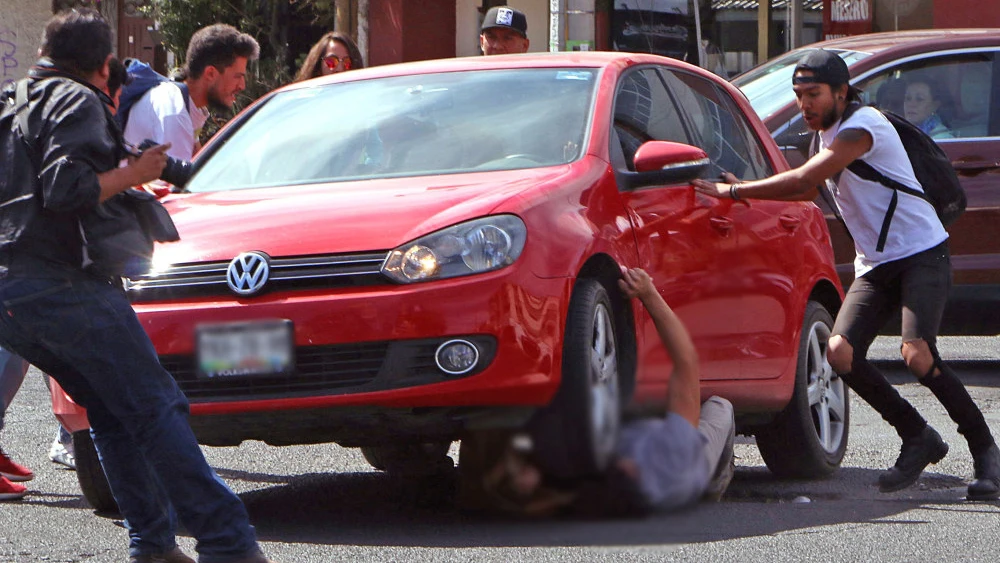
(168, 168)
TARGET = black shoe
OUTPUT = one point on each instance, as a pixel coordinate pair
(175, 555)
(916, 454)
(986, 486)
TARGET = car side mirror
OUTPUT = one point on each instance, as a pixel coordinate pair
(662, 163)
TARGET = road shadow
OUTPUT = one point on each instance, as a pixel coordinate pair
(372, 509)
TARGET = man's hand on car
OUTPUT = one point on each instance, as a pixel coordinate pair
(636, 283)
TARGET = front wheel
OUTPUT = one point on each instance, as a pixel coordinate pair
(575, 435)
(808, 439)
(90, 474)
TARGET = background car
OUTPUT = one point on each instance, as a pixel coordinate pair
(961, 70)
(397, 256)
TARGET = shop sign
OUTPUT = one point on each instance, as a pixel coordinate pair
(846, 17)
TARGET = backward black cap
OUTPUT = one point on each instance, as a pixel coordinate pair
(827, 68)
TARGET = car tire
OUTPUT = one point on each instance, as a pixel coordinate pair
(809, 437)
(405, 460)
(90, 474)
(575, 435)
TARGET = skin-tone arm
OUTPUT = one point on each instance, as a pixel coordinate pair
(684, 394)
(145, 168)
(800, 183)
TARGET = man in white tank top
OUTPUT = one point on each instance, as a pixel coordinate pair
(902, 268)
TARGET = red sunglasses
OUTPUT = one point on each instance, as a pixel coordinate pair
(333, 61)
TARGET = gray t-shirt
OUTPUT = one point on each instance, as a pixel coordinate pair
(670, 455)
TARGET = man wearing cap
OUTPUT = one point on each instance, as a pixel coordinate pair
(504, 32)
(901, 265)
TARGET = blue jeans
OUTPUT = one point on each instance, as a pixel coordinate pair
(84, 333)
(12, 370)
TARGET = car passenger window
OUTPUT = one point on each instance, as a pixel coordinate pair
(644, 111)
(719, 127)
(948, 97)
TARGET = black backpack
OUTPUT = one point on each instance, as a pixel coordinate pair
(931, 166)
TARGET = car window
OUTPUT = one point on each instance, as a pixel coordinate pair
(406, 126)
(948, 97)
(719, 127)
(644, 111)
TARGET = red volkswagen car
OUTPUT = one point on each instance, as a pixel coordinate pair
(393, 257)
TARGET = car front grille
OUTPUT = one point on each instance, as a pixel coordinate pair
(332, 369)
(303, 272)
(318, 370)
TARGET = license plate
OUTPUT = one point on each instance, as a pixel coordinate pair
(245, 349)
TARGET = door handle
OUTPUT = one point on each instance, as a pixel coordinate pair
(789, 222)
(970, 167)
(722, 224)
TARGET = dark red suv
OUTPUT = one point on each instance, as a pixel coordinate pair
(959, 71)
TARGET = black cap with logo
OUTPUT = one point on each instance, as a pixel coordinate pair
(505, 16)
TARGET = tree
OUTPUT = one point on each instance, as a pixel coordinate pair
(266, 20)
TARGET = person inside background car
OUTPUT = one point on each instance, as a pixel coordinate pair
(921, 107)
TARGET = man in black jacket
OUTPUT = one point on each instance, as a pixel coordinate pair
(80, 328)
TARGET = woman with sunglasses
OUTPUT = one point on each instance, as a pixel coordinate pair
(334, 52)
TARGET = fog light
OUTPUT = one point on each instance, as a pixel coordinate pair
(457, 357)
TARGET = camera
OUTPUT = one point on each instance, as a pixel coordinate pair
(176, 172)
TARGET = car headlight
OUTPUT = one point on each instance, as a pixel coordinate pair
(468, 248)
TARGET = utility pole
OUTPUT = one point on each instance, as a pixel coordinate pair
(795, 24)
(763, 29)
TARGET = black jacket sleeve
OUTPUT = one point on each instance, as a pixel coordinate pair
(75, 145)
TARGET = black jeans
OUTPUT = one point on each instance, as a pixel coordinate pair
(915, 287)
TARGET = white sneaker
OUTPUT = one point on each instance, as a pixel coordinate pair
(62, 455)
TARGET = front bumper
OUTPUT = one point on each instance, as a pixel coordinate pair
(367, 351)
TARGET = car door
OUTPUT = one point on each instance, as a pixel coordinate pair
(760, 276)
(685, 240)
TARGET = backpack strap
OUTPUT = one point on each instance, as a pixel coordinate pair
(866, 171)
(21, 102)
(187, 95)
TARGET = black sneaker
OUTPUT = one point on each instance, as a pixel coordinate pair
(916, 454)
(986, 486)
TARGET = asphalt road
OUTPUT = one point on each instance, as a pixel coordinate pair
(323, 503)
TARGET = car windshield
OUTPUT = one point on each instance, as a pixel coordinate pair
(769, 86)
(401, 126)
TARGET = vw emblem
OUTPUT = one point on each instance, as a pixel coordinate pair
(247, 273)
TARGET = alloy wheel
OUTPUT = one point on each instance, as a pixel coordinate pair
(826, 391)
(604, 393)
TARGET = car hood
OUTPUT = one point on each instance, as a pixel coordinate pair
(343, 217)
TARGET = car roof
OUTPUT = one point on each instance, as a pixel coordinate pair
(915, 40)
(570, 59)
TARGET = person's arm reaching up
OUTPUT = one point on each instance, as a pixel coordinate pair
(684, 394)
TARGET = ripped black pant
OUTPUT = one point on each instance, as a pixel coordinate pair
(916, 288)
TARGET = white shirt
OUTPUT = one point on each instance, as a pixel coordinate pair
(160, 115)
(915, 226)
